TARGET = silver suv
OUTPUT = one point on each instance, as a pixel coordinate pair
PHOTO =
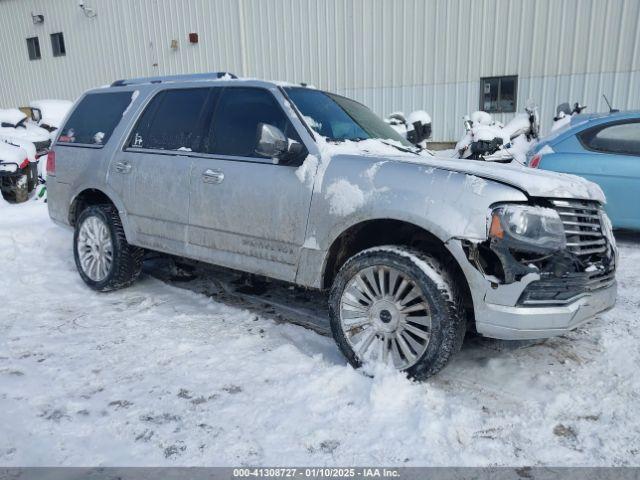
(312, 188)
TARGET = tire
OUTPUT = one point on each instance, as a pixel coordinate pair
(442, 318)
(126, 260)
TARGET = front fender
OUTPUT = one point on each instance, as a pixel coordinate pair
(445, 203)
(354, 189)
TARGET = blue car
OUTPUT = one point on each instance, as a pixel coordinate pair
(603, 148)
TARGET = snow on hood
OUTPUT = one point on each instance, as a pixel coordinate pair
(536, 183)
(369, 147)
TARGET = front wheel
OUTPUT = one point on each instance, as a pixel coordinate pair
(399, 307)
(103, 257)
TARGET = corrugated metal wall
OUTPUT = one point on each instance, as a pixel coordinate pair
(390, 54)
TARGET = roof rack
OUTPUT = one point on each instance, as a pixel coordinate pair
(173, 78)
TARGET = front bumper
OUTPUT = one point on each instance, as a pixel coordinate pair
(498, 314)
(520, 323)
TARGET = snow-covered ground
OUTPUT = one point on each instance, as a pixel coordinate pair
(156, 375)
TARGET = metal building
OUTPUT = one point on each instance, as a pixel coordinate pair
(392, 55)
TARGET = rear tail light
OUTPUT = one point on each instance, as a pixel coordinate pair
(535, 161)
(51, 163)
(25, 163)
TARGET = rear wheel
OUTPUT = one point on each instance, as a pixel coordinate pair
(103, 257)
(398, 307)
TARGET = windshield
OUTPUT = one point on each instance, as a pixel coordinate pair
(338, 118)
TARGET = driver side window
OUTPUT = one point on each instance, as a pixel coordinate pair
(234, 126)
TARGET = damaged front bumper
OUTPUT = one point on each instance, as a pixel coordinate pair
(506, 311)
(525, 322)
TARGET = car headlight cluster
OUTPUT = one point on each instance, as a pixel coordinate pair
(527, 228)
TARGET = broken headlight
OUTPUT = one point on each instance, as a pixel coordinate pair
(527, 228)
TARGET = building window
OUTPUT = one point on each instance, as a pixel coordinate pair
(498, 94)
(57, 45)
(33, 45)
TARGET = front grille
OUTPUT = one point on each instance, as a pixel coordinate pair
(587, 240)
(583, 228)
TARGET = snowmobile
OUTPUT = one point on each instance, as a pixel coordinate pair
(489, 140)
(416, 127)
(14, 172)
(564, 114)
(49, 114)
(15, 124)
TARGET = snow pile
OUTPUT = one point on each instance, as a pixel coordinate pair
(11, 153)
(155, 375)
(11, 116)
(344, 197)
(418, 116)
(27, 146)
(562, 121)
(519, 148)
(53, 111)
(481, 118)
(28, 131)
(307, 171)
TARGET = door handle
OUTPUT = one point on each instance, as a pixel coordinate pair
(122, 167)
(212, 176)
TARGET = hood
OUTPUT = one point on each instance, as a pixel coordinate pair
(535, 183)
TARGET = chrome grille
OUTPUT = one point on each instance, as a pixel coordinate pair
(586, 239)
(583, 227)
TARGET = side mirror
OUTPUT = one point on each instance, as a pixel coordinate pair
(36, 114)
(271, 142)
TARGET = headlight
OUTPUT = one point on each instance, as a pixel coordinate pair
(528, 228)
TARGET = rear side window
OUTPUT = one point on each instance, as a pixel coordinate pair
(173, 120)
(620, 138)
(95, 118)
(240, 110)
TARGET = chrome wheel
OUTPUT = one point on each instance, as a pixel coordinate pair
(95, 248)
(385, 317)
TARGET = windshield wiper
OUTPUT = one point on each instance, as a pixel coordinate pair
(402, 149)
